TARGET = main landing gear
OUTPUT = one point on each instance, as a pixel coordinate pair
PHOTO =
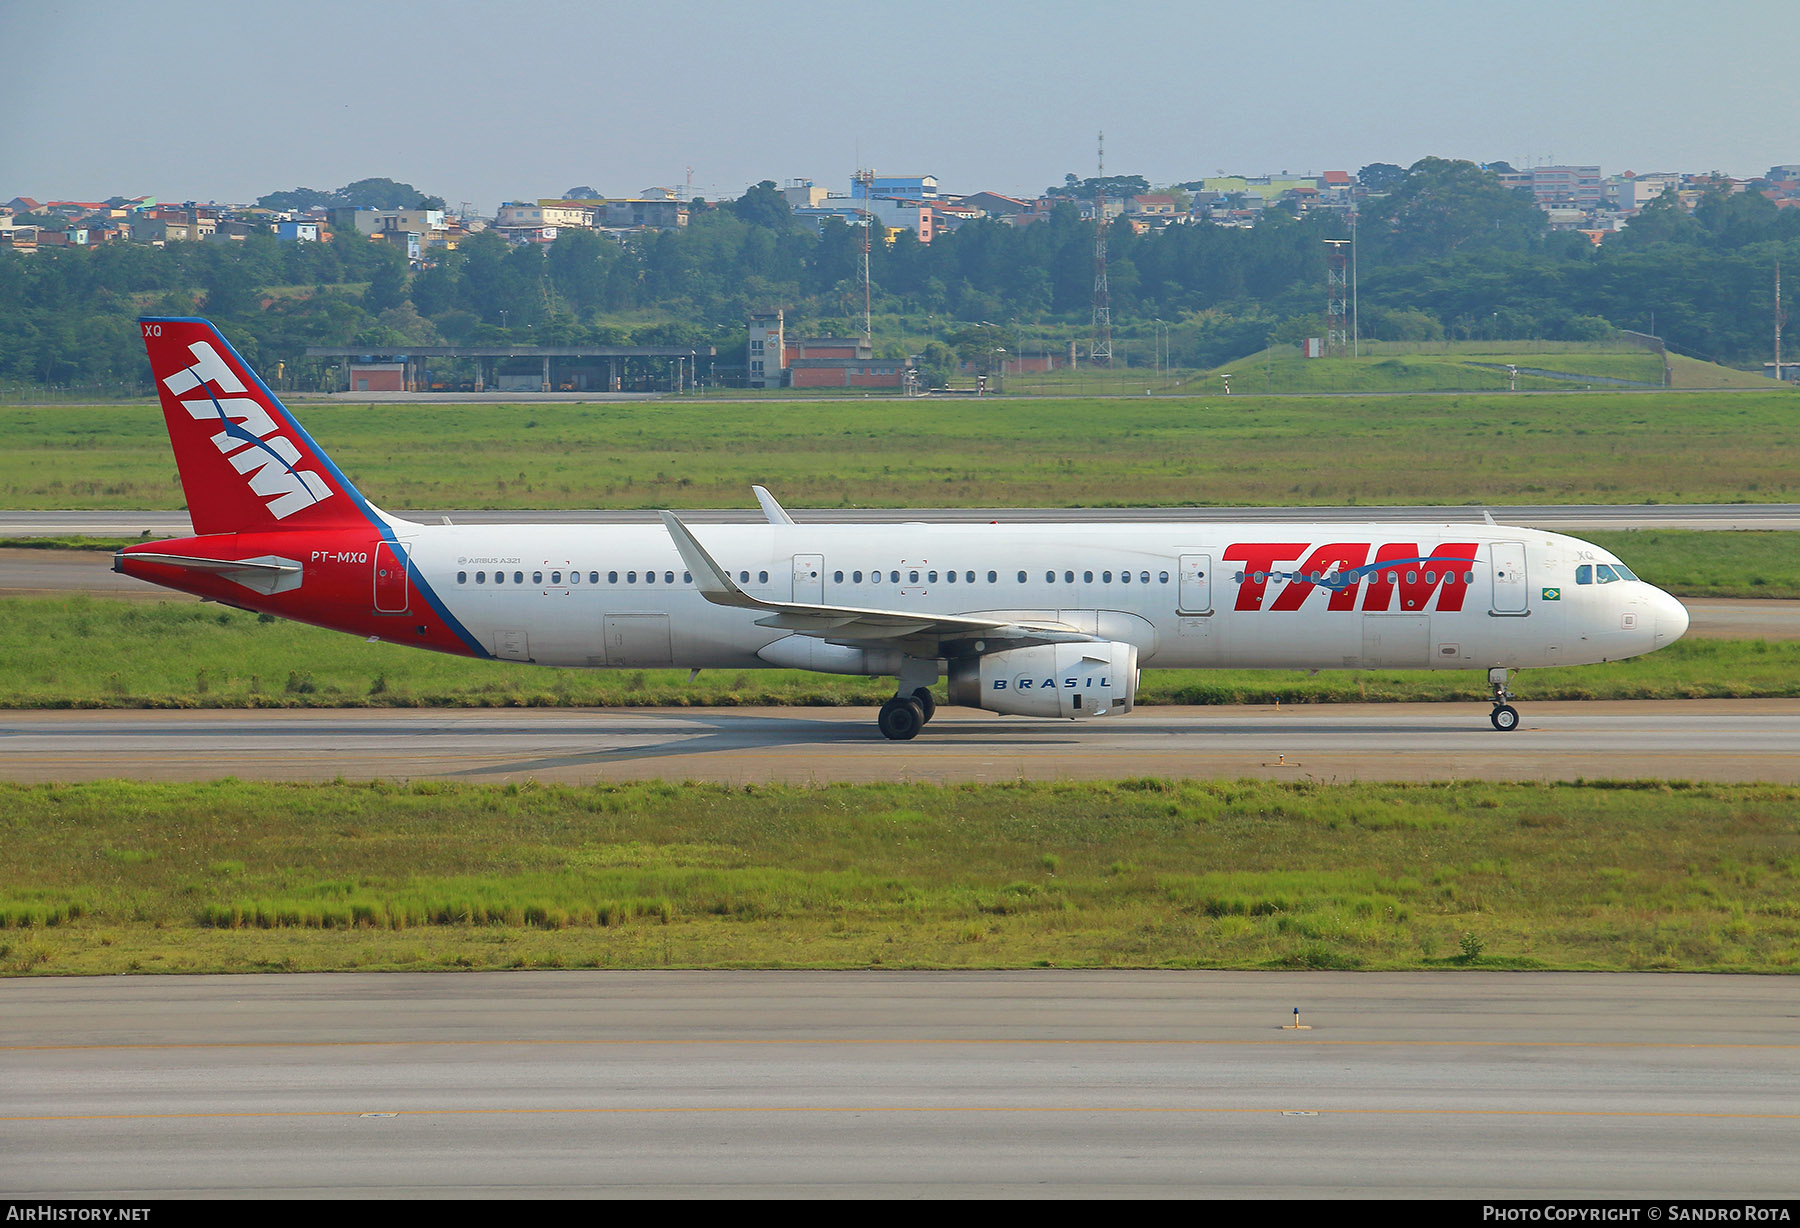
(904, 715)
(1505, 717)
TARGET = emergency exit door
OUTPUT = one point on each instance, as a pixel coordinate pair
(809, 579)
(1510, 592)
(1196, 584)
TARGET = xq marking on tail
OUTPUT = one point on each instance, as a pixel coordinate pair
(1023, 619)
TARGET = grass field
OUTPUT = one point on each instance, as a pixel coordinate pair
(1156, 451)
(92, 653)
(225, 877)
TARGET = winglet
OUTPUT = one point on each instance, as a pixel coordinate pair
(773, 510)
(713, 581)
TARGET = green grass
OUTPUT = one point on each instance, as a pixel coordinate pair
(122, 876)
(82, 652)
(1159, 451)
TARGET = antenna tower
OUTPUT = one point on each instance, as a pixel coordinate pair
(1337, 298)
(867, 179)
(1779, 321)
(1100, 349)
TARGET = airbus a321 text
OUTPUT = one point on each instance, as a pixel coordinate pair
(1025, 619)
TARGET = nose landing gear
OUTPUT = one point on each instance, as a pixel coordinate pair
(1504, 717)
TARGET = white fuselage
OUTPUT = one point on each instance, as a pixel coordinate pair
(1198, 595)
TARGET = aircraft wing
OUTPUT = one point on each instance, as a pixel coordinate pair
(920, 634)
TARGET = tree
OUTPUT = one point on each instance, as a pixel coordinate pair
(1444, 206)
(387, 289)
(1380, 176)
(764, 205)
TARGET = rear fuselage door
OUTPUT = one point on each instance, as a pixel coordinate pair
(392, 592)
(1510, 593)
(809, 579)
(1196, 584)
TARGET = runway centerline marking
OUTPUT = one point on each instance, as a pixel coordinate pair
(1018, 1109)
(977, 1041)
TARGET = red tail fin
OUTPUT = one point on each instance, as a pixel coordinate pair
(245, 463)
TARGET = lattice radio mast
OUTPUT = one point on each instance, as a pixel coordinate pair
(1100, 349)
(1337, 298)
(867, 179)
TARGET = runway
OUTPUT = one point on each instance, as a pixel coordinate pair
(870, 1084)
(1717, 740)
(1557, 517)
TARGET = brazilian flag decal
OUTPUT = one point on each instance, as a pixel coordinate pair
(1553, 594)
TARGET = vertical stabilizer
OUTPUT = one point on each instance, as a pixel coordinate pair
(245, 464)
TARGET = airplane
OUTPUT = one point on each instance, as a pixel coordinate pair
(1050, 620)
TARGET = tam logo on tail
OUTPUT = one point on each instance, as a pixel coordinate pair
(248, 437)
(245, 463)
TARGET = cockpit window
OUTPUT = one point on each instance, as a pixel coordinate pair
(1625, 573)
(1604, 573)
(1584, 574)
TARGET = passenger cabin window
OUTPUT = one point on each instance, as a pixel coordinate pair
(594, 577)
(518, 577)
(762, 577)
(668, 577)
(462, 577)
(743, 577)
(556, 577)
(631, 577)
(1021, 577)
(612, 577)
(649, 577)
(856, 577)
(481, 577)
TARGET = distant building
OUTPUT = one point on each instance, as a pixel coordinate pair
(804, 194)
(765, 356)
(663, 212)
(296, 232)
(993, 204)
(773, 360)
(901, 187)
(379, 377)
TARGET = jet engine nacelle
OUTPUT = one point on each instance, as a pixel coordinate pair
(1068, 680)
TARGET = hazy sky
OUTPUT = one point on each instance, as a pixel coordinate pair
(495, 101)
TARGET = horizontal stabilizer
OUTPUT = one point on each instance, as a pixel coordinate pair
(268, 574)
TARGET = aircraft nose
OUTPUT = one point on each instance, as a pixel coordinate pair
(1671, 619)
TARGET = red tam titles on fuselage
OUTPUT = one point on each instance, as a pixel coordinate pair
(1398, 577)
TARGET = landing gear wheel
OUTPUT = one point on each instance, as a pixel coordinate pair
(927, 702)
(901, 718)
(1505, 718)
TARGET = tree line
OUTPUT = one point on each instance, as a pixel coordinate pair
(1448, 251)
